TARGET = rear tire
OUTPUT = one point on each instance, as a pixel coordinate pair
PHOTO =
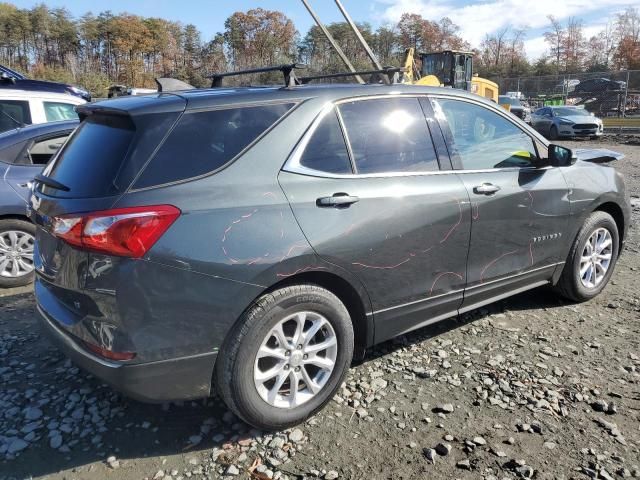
(16, 252)
(576, 283)
(267, 339)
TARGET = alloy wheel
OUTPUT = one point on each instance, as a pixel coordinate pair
(16, 253)
(596, 258)
(295, 360)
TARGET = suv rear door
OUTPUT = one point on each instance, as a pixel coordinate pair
(374, 193)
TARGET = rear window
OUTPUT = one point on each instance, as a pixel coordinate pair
(203, 142)
(90, 162)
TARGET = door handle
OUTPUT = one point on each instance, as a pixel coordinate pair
(486, 189)
(337, 200)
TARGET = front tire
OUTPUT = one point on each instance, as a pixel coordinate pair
(286, 357)
(591, 260)
(553, 133)
(16, 252)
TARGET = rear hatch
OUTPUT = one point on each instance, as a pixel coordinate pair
(89, 174)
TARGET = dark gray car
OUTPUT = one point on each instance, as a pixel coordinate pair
(23, 154)
(255, 241)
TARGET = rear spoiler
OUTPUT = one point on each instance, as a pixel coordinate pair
(166, 84)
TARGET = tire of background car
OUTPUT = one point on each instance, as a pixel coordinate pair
(553, 133)
(253, 350)
(571, 284)
(16, 237)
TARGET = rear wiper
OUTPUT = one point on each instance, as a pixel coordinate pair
(50, 182)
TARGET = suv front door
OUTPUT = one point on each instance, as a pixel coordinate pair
(374, 194)
(519, 204)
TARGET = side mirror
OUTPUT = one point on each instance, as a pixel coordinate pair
(7, 79)
(561, 156)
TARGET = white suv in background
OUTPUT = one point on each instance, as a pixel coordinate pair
(21, 107)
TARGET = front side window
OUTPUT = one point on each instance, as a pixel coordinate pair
(203, 142)
(484, 139)
(14, 114)
(327, 150)
(58, 111)
(389, 135)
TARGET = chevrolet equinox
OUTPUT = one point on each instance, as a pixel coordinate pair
(254, 241)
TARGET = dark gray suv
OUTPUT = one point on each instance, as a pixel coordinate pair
(254, 241)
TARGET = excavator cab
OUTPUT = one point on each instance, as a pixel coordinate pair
(451, 68)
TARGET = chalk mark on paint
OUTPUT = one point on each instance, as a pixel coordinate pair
(458, 275)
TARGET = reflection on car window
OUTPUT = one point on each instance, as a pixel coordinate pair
(57, 111)
(389, 135)
(484, 139)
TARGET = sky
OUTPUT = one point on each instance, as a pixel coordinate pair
(475, 19)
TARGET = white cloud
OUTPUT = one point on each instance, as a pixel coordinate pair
(479, 19)
(535, 47)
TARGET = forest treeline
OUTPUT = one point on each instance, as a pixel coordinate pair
(98, 50)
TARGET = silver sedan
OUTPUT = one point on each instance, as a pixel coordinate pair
(564, 121)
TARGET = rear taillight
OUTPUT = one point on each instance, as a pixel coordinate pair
(109, 354)
(124, 232)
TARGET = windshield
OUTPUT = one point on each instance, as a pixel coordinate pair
(568, 111)
(509, 101)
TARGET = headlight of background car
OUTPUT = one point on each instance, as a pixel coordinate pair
(564, 121)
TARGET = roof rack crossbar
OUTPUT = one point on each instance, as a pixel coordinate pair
(290, 78)
(389, 72)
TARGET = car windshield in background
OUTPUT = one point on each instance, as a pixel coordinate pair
(510, 101)
(568, 112)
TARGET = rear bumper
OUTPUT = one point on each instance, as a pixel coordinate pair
(160, 381)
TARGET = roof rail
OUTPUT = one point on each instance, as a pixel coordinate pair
(290, 78)
(388, 72)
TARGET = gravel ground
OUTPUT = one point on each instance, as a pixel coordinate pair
(530, 387)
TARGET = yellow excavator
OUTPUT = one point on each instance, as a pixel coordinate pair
(449, 68)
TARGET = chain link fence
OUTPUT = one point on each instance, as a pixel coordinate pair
(612, 96)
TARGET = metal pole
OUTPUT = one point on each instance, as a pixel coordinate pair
(332, 41)
(624, 102)
(356, 31)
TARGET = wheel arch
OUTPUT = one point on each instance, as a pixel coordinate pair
(15, 216)
(613, 209)
(348, 295)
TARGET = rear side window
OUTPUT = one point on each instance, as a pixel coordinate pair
(203, 142)
(327, 150)
(90, 162)
(389, 135)
(57, 111)
(14, 114)
(44, 149)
